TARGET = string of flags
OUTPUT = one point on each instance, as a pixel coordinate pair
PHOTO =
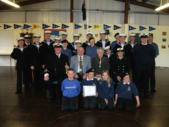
(74, 26)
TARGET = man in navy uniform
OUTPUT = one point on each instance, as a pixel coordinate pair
(88, 36)
(56, 64)
(47, 47)
(143, 55)
(75, 38)
(35, 61)
(27, 73)
(103, 42)
(152, 77)
(64, 36)
(116, 36)
(17, 54)
(122, 44)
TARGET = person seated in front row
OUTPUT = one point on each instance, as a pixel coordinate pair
(124, 93)
(70, 90)
(106, 92)
(90, 100)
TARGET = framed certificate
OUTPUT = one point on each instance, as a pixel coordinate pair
(89, 91)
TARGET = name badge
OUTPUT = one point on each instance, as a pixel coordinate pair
(129, 88)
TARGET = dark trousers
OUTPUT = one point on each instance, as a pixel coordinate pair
(27, 78)
(37, 75)
(125, 104)
(69, 104)
(89, 102)
(102, 105)
(19, 81)
(50, 89)
(152, 80)
(142, 81)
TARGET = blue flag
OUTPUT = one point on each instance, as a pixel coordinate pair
(44, 26)
(141, 28)
(83, 10)
(76, 26)
(7, 26)
(106, 26)
(26, 26)
(17, 26)
(131, 28)
(151, 28)
(64, 26)
(116, 27)
(54, 26)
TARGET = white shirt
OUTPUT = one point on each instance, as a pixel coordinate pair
(79, 70)
(144, 43)
(58, 55)
(122, 45)
(21, 49)
(126, 83)
(103, 44)
(89, 79)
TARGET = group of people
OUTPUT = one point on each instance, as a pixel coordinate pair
(114, 73)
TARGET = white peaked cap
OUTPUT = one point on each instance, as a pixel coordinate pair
(78, 41)
(63, 33)
(20, 38)
(48, 32)
(76, 35)
(122, 35)
(36, 35)
(132, 34)
(57, 38)
(89, 33)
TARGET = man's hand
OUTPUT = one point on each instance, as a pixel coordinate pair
(66, 67)
(32, 67)
(106, 101)
(46, 77)
(118, 78)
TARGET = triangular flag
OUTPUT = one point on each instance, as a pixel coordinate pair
(7, 26)
(26, 26)
(16, 26)
(64, 26)
(87, 26)
(96, 26)
(76, 26)
(151, 28)
(142, 28)
(131, 28)
(35, 26)
(44, 26)
(54, 26)
(116, 27)
(106, 26)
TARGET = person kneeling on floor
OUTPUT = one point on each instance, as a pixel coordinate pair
(70, 90)
(124, 93)
(90, 97)
(106, 92)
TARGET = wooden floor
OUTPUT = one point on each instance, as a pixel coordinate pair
(33, 110)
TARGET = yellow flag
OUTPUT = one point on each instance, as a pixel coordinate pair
(35, 26)
(96, 26)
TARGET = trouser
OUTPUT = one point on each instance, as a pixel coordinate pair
(125, 104)
(142, 81)
(102, 105)
(37, 75)
(89, 102)
(19, 81)
(152, 79)
(27, 77)
(50, 90)
(69, 104)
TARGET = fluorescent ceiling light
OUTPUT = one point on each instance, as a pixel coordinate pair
(162, 7)
(11, 3)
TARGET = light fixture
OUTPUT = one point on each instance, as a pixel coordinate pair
(11, 3)
(162, 6)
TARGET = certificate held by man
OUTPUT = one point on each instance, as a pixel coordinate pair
(89, 91)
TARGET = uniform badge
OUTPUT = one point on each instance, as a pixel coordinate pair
(129, 88)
